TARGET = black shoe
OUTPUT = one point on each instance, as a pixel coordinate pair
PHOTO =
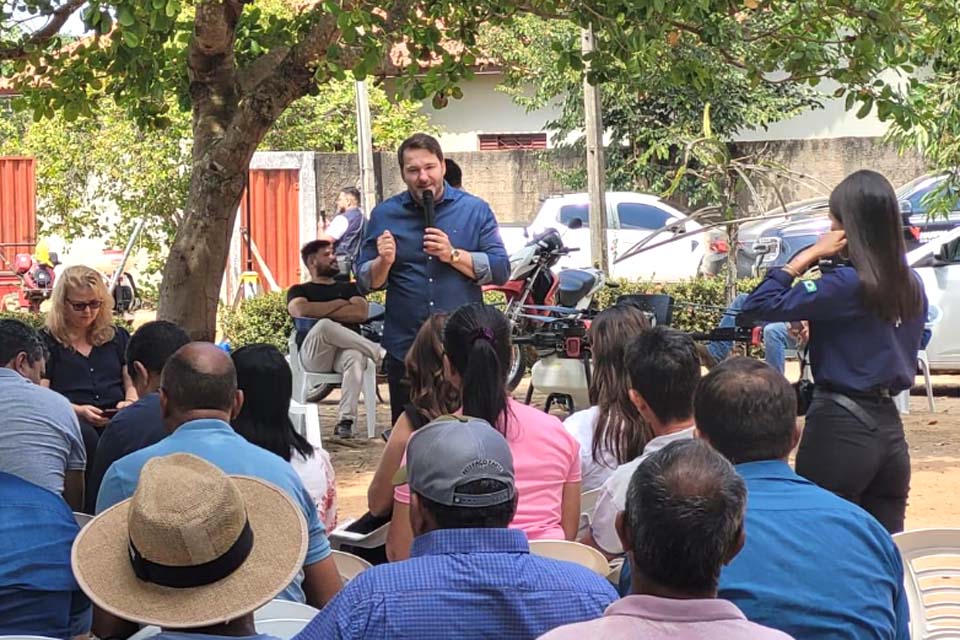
(344, 429)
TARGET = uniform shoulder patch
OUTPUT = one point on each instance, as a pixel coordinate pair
(810, 286)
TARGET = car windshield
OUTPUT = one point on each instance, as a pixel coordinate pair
(570, 211)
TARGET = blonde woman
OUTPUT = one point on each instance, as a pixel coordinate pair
(87, 353)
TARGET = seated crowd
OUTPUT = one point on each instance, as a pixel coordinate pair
(208, 503)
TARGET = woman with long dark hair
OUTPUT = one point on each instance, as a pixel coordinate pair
(431, 396)
(611, 432)
(264, 420)
(546, 460)
(866, 318)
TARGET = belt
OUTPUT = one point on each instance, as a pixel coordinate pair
(868, 394)
(848, 402)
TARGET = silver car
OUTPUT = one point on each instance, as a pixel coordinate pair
(938, 264)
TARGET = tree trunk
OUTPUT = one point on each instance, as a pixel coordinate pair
(193, 274)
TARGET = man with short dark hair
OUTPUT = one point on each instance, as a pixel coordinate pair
(664, 369)
(814, 565)
(140, 424)
(426, 269)
(334, 342)
(454, 175)
(41, 440)
(468, 575)
(683, 522)
(198, 398)
(346, 229)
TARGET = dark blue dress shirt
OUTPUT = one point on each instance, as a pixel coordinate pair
(463, 584)
(814, 565)
(133, 428)
(850, 347)
(419, 285)
(95, 379)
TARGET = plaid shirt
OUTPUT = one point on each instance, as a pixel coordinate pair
(463, 584)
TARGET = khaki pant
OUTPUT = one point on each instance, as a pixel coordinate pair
(331, 347)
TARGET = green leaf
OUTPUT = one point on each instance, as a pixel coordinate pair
(131, 39)
(125, 16)
(866, 108)
(173, 8)
(418, 92)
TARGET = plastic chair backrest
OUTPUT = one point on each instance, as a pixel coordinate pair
(572, 552)
(931, 563)
(281, 628)
(349, 565)
(285, 610)
(658, 304)
(82, 518)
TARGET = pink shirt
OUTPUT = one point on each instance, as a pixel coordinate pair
(545, 457)
(653, 618)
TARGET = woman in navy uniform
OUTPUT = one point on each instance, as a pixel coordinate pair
(866, 319)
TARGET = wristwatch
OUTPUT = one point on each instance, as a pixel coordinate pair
(455, 256)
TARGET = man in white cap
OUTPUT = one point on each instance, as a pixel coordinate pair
(194, 551)
(468, 575)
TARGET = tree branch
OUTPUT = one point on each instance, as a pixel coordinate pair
(42, 36)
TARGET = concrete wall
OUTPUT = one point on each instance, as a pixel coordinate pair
(830, 160)
(514, 182)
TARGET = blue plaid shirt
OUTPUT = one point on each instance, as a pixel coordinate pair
(463, 584)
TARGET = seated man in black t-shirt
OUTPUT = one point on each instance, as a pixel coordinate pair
(334, 343)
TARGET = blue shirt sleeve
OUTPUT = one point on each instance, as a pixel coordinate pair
(368, 252)
(835, 295)
(318, 547)
(491, 245)
(344, 618)
(111, 490)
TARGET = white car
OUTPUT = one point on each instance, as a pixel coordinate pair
(938, 263)
(631, 217)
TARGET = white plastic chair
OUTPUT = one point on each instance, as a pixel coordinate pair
(376, 538)
(285, 610)
(931, 563)
(26, 638)
(348, 565)
(572, 552)
(83, 519)
(588, 500)
(304, 381)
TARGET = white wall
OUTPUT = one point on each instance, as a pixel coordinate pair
(483, 109)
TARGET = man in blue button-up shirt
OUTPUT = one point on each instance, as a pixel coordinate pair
(814, 565)
(426, 269)
(469, 577)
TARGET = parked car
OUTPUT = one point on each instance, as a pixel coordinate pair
(938, 264)
(780, 241)
(631, 217)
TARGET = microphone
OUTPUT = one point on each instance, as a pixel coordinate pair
(428, 211)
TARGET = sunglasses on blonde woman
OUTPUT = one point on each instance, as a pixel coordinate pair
(80, 306)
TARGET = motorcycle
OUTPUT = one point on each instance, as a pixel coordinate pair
(36, 276)
(535, 293)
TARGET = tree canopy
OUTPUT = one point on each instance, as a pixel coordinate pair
(237, 66)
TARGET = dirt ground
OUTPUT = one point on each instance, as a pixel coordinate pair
(934, 440)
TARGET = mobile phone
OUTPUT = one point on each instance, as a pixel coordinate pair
(109, 413)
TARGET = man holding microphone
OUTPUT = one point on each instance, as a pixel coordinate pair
(430, 252)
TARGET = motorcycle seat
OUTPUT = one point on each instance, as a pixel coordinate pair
(574, 285)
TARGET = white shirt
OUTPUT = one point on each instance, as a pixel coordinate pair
(318, 478)
(613, 494)
(581, 426)
(338, 226)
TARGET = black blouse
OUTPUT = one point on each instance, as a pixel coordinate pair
(96, 379)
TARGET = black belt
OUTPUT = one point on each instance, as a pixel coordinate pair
(870, 394)
(846, 401)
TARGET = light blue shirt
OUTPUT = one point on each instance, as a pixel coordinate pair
(216, 442)
(40, 440)
(814, 565)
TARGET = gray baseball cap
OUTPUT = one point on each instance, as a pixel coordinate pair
(452, 451)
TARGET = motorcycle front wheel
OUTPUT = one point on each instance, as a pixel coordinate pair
(518, 366)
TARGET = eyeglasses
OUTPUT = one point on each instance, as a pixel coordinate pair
(80, 306)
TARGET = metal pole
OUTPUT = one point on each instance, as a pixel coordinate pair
(368, 185)
(115, 276)
(596, 185)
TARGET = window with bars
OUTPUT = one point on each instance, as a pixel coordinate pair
(511, 141)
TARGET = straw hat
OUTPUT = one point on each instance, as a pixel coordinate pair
(186, 527)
